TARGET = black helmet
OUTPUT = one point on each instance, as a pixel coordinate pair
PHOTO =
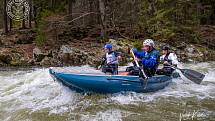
(165, 48)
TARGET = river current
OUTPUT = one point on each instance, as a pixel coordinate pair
(32, 95)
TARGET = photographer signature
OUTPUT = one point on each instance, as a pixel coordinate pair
(191, 115)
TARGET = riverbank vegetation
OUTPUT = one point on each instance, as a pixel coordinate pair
(53, 23)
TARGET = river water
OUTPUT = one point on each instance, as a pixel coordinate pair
(32, 95)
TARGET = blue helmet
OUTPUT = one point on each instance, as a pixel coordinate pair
(108, 46)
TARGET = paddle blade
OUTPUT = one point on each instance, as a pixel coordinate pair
(192, 75)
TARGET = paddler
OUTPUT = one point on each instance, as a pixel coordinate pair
(148, 57)
(110, 60)
(169, 60)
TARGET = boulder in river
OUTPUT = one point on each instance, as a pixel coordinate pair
(39, 54)
(72, 56)
(48, 61)
(12, 56)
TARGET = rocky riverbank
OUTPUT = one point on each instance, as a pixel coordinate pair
(18, 48)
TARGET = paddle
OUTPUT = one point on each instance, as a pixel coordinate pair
(192, 75)
(142, 73)
(100, 66)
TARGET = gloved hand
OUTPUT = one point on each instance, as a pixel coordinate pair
(166, 63)
(134, 50)
(99, 67)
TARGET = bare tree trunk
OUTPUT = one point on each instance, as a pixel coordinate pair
(23, 21)
(52, 3)
(11, 24)
(130, 19)
(5, 17)
(212, 17)
(70, 11)
(91, 10)
(30, 14)
(23, 24)
(34, 13)
(98, 16)
(70, 5)
(102, 17)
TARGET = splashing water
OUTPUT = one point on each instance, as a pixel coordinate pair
(34, 95)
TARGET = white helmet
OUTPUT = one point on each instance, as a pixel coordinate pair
(149, 42)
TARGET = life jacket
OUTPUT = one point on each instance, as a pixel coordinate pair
(154, 52)
(111, 58)
(166, 58)
(171, 58)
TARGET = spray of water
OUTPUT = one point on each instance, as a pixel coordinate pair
(179, 88)
(35, 90)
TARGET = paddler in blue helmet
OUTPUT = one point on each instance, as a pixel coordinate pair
(110, 60)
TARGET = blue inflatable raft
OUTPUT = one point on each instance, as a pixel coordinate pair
(110, 83)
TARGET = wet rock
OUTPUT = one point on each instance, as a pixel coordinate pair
(64, 53)
(66, 49)
(5, 58)
(11, 56)
(8, 40)
(181, 45)
(190, 49)
(49, 61)
(193, 53)
(190, 53)
(25, 39)
(39, 54)
(5, 55)
(72, 56)
(2, 64)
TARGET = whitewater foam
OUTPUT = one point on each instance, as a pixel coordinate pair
(36, 90)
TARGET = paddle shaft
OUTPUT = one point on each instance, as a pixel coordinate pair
(142, 71)
(99, 67)
(177, 68)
